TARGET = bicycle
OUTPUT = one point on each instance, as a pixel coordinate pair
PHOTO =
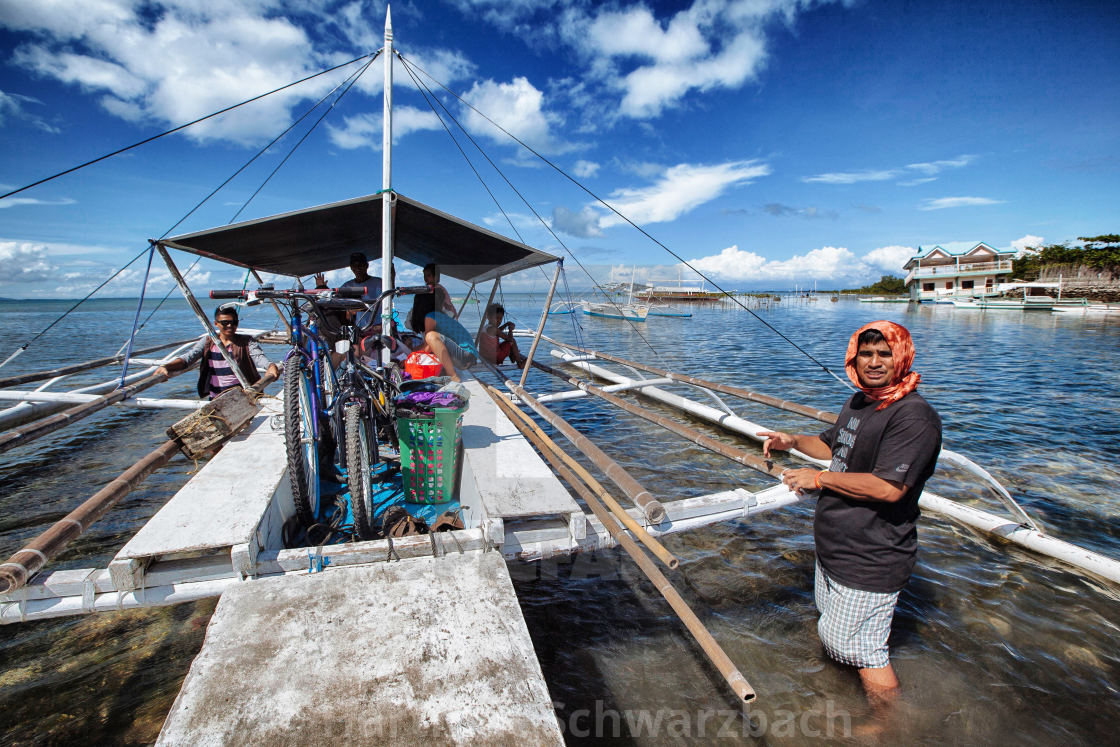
(323, 407)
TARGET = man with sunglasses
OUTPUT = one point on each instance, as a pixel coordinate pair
(214, 374)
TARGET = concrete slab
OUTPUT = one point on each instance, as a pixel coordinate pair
(418, 652)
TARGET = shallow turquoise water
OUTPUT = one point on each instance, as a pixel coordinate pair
(990, 643)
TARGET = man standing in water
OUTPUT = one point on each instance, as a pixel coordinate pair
(883, 447)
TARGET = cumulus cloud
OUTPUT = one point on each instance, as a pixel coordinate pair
(1021, 245)
(834, 266)
(169, 61)
(941, 203)
(518, 108)
(928, 172)
(24, 262)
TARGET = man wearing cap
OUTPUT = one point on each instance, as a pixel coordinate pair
(359, 265)
(883, 448)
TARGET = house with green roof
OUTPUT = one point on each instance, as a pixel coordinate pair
(956, 270)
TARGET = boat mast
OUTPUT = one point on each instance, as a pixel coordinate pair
(387, 185)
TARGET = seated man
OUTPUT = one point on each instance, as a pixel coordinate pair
(214, 374)
(496, 342)
(447, 340)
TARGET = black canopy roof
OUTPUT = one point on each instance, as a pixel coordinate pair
(322, 238)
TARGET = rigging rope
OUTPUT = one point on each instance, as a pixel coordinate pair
(500, 173)
(135, 319)
(180, 127)
(641, 230)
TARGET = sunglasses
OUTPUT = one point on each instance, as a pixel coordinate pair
(226, 323)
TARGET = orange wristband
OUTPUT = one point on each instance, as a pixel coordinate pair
(818, 480)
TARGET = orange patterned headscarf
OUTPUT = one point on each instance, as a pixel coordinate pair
(902, 348)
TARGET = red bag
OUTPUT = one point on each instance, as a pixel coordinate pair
(420, 365)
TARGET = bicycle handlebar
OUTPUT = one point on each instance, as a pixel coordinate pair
(316, 294)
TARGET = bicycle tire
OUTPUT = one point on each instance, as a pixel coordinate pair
(300, 444)
(358, 445)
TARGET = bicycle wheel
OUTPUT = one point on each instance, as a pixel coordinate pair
(358, 444)
(300, 442)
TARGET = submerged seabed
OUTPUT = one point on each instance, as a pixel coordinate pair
(990, 643)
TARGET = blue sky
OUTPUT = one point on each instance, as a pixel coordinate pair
(772, 143)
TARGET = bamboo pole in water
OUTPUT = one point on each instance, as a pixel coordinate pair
(708, 644)
(580, 479)
(28, 433)
(782, 404)
(651, 507)
(766, 466)
(25, 563)
(66, 370)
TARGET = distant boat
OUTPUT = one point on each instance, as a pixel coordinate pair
(884, 299)
(668, 311)
(630, 312)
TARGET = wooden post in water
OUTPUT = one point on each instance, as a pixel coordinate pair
(30, 560)
(708, 644)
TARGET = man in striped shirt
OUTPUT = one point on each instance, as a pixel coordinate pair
(214, 374)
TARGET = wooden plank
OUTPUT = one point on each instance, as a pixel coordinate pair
(503, 471)
(424, 651)
(202, 433)
(220, 507)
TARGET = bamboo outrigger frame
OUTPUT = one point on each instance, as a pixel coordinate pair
(385, 225)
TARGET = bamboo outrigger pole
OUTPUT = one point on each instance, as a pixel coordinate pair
(25, 563)
(76, 367)
(708, 644)
(28, 433)
(580, 479)
(651, 507)
(766, 466)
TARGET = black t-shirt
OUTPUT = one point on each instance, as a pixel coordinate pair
(871, 545)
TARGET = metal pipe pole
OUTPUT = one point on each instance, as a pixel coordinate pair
(387, 187)
(544, 318)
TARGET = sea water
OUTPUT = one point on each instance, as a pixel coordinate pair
(991, 643)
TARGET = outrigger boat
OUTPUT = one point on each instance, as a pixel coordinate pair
(343, 630)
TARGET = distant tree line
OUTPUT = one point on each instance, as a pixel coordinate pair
(1096, 252)
(884, 286)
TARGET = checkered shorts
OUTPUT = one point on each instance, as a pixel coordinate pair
(854, 624)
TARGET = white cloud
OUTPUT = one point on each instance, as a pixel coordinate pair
(929, 171)
(12, 106)
(829, 266)
(517, 107)
(680, 189)
(852, 177)
(364, 130)
(585, 169)
(942, 203)
(16, 201)
(24, 262)
(1021, 245)
(584, 224)
(889, 259)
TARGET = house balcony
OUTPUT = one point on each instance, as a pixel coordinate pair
(961, 270)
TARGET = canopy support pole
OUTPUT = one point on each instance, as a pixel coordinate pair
(463, 305)
(482, 323)
(213, 335)
(544, 318)
(387, 281)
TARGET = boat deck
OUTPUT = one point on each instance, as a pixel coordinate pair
(427, 651)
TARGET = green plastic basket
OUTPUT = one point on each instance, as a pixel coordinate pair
(431, 448)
